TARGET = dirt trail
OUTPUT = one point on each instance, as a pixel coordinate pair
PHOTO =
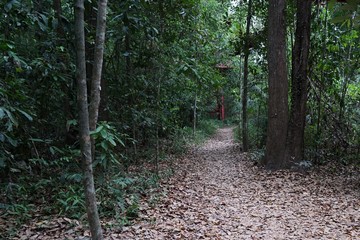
(218, 194)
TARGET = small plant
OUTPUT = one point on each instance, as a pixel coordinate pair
(21, 212)
(69, 201)
(107, 138)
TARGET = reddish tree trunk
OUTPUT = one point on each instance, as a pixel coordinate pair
(278, 87)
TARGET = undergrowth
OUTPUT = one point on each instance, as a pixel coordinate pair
(51, 185)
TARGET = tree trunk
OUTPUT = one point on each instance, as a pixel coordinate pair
(240, 92)
(245, 137)
(90, 19)
(299, 78)
(195, 115)
(84, 131)
(58, 13)
(158, 120)
(98, 63)
(60, 41)
(128, 73)
(278, 87)
(322, 79)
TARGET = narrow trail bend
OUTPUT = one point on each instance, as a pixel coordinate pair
(218, 194)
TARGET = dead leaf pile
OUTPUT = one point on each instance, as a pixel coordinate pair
(217, 193)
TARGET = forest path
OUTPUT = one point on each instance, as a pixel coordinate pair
(218, 194)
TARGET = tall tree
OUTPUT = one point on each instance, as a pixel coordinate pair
(245, 137)
(84, 119)
(278, 87)
(98, 63)
(299, 82)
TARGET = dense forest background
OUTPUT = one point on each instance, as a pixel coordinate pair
(165, 68)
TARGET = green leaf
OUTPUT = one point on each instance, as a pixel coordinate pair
(37, 140)
(71, 122)
(12, 119)
(340, 19)
(2, 165)
(13, 142)
(104, 134)
(104, 145)
(99, 128)
(120, 141)
(15, 170)
(9, 5)
(331, 4)
(2, 113)
(42, 26)
(52, 150)
(111, 140)
(25, 114)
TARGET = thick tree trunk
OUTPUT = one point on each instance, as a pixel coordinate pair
(245, 138)
(278, 87)
(299, 78)
(85, 141)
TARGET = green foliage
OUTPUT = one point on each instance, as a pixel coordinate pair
(160, 56)
(107, 139)
(70, 201)
(21, 212)
(345, 13)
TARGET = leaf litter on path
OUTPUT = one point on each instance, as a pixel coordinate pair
(218, 193)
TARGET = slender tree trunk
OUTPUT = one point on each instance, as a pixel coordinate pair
(322, 79)
(348, 72)
(158, 119)
(245, 137)
(299, 78)
(85, 141)
(60, 40)
(194, 115)
(58, 13)
(103, 108)
(240, 91)
(98, 64)
(90, 19)
(278, 87)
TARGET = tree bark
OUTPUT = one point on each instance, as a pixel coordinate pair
(240, 96)
(58, 13)
(98, 63)
(84, 131)
(278, 87)
(245, 137)
(90, 34)
(195, 115)
(299, 78)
